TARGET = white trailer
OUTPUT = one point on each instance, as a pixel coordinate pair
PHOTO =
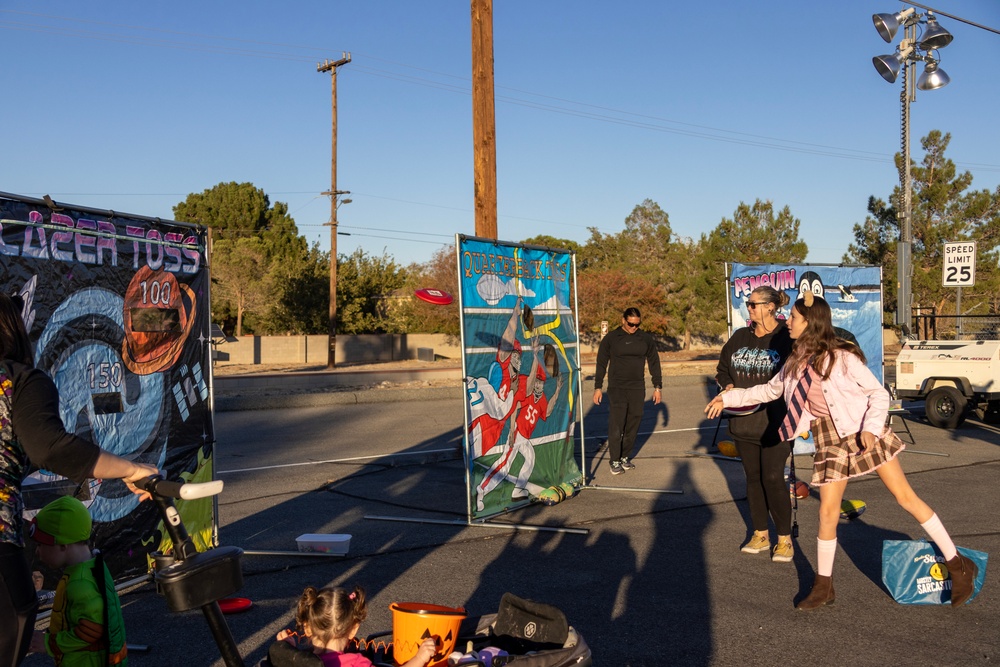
(951, 376)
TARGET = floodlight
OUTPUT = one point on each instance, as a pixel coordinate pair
(935, 37)
(888, 66)
(888, 24)
(933, 78)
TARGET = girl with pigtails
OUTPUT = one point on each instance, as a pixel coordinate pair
(326, 622)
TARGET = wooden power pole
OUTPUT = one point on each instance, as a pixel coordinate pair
(484, 119)
(333, 193)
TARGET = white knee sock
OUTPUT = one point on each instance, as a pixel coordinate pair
(935, 529)
(825, 552)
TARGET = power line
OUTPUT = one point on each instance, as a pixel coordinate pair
(396, 238)
(957, 18)
(630, 119)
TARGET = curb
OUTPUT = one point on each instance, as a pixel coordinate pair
(331, 396)
(327, 398)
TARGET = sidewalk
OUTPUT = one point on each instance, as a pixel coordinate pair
(261, 387)
(258, 388)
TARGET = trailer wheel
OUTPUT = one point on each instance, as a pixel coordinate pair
(946, 407)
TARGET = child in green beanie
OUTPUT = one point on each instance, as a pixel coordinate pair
(86, 627)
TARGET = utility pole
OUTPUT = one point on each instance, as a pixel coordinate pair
(484, 120)
(333, 193)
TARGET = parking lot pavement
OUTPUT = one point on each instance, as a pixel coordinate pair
(658, 578)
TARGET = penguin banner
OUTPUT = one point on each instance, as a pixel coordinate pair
(117, 309)
(854, 294)
(521, 368)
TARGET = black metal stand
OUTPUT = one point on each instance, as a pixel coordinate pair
(223, 635)
(189, 579)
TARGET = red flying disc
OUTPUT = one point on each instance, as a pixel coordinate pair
(741, 411)
(435, 296)
(234, 605)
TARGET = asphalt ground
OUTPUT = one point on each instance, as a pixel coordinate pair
(657, 579)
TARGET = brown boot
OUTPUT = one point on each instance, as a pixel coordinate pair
(963, 577)
(821, 594)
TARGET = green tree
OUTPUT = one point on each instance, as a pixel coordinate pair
(230, 209)
(367, 287)
(281, 259)
(302, 288)
(441, 273)
(631, 268)
(604, 295)
(239, 275)
(703, 310)
(547, 241)
(875, 244)
(943, 209)
(756, 235)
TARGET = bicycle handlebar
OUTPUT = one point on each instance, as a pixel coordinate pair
(158, 486)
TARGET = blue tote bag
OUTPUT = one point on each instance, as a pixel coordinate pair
(914, 571)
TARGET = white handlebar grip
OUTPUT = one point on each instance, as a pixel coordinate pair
(201, 490)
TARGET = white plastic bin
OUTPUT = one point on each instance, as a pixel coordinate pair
(327, 543)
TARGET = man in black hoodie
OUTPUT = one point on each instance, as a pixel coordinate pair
(627, 350)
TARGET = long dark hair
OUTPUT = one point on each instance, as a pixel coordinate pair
(14, 343)
(818, 342)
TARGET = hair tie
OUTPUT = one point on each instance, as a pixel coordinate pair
(351, 596)
(808, 298)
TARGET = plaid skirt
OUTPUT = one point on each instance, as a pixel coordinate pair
(837, 459)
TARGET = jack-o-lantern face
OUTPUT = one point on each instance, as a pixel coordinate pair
(438, 642)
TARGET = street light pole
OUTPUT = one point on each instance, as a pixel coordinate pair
(910, 50)
(904, 249)
(333, 193)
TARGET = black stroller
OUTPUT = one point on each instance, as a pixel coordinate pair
(521, 632)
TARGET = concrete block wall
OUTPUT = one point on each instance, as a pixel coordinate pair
(313, 350)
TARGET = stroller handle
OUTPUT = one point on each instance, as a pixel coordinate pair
(158, 486)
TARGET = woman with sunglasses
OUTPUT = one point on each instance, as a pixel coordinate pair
(32, 433)
(753, 355)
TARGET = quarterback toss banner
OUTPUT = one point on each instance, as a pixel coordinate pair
(521, 368)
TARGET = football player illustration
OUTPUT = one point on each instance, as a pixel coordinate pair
(491, 398)
(532, 405)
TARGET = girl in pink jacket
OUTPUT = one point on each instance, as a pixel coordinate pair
(830, 391)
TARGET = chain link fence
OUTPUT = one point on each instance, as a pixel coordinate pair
(956, 327)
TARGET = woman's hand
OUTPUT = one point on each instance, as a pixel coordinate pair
(714, 408)
(142, 470)
(868, 440)
(597, 396)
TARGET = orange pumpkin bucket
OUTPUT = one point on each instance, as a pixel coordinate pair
(413, 622)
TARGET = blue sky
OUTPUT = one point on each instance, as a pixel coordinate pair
(130, 106)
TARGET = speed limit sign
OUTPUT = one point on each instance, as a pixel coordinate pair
(959, 264)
